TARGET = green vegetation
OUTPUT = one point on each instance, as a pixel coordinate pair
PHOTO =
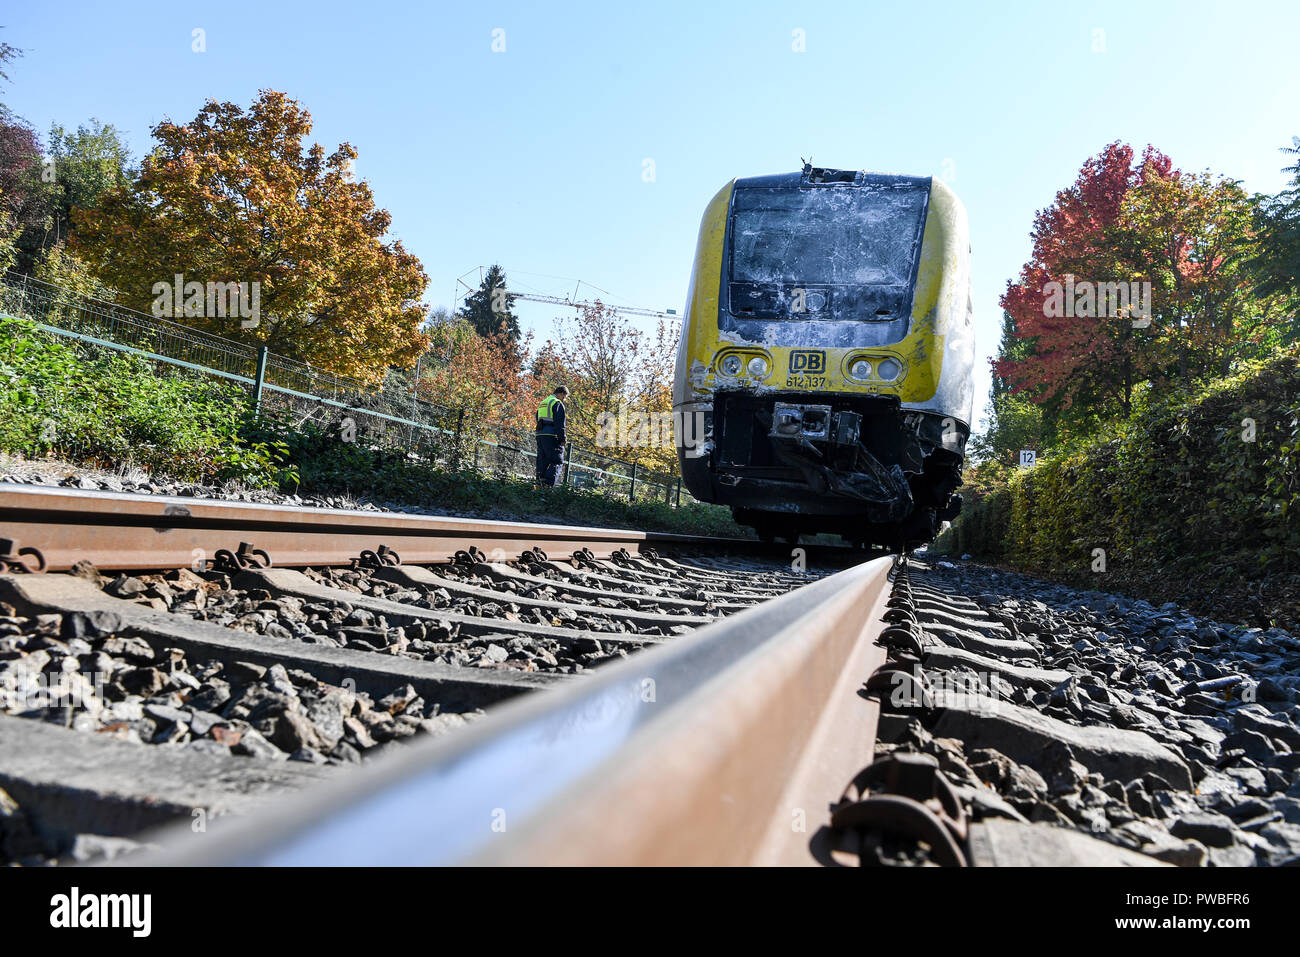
(104, 410)
(1187, 495)
(101, 410)
(1168, 436)
(327, 464)
(1142, 278)
(239, 198)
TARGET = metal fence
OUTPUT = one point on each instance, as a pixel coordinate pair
(389, 415)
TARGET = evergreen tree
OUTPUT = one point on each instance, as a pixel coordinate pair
(1014, 421)
(1277, 266)
(489, 310)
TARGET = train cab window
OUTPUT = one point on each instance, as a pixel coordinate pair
(825, 252)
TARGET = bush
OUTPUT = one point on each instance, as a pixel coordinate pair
(1191, 489)
(109, 409)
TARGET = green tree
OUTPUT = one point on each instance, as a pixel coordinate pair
(489, 310)
(1014, 423)
(8, 238)
(1277, 264)
(86, 165)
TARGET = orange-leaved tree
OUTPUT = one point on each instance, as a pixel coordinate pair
(482, 376)
(620, 377)
(232, 197)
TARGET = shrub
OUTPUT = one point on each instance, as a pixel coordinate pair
(110, 408)
(1189, 486)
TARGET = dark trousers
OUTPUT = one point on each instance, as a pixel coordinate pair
(549, 460)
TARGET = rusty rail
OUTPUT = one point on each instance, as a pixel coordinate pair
(727, 746)
(142, 532)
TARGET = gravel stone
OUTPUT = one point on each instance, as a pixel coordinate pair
(1211, 829)
(1136, 668)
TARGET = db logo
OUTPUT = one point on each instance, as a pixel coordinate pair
(808, 361)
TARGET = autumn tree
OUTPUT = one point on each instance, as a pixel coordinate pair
(24, 206)
(1079, 359)
(1127, 222)
(233, 197)
(489, 309)
(482, 375)
(1186, 234)
(60, 267)
(620, 381)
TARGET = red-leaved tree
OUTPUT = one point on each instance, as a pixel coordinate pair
(1088, 359)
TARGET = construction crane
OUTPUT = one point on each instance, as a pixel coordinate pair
(627, 310)
(571, 301)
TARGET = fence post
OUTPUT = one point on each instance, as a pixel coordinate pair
(631, 489)
(460, 422)
(568, 456)
(679, 492)
(262, 353)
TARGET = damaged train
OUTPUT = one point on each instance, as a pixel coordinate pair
(823, 376)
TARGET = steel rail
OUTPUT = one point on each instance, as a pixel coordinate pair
(726, 746)
(143, 532)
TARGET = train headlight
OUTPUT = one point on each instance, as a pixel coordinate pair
(860, 369)
(888, 370)
(758, 367)
(731, 365)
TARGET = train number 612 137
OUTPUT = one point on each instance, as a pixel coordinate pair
(805, 382)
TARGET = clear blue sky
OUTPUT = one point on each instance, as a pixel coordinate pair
(533, 157)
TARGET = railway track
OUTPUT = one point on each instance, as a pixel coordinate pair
(252, 684)
(188, 648)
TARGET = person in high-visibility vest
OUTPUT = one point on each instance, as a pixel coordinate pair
(551, 436)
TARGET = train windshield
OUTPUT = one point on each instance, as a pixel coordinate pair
(836, 236)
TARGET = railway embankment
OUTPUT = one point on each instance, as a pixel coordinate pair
(98, 420)
(1194, 500)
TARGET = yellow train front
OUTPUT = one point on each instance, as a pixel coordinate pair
(823, 379)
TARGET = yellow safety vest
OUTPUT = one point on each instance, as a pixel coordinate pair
(546, 411)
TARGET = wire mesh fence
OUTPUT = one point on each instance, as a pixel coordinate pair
(389, 415)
